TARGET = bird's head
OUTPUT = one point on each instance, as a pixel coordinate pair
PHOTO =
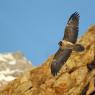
(62, 44)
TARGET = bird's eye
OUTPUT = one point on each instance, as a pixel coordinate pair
(60, 43)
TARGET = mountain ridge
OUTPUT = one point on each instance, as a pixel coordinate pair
(12, 65)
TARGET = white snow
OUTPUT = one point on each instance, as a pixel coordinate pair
(8, 71)
(8, 59)
(5, 57)
(12, 62)
(6, 78)
(5, 75)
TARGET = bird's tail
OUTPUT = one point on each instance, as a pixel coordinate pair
(78, 48)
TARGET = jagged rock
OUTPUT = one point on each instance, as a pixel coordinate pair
(75, 78)
(12, 65)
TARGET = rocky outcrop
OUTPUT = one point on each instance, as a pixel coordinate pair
(12, 65)
(77, 76)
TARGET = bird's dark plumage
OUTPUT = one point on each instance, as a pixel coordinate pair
(70, 36)
(60, 58)
(71, 30)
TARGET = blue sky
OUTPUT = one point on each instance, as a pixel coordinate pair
(35, 27)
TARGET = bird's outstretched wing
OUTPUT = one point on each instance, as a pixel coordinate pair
(59, 59)
(71, 30)
(70, 34)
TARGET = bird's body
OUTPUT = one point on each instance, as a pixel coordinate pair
(67, 45)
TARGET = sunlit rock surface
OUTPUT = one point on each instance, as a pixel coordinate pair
(76, 77)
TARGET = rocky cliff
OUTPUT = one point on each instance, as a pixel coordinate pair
(77, 77)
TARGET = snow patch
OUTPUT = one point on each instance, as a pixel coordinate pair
(6, 78)
(4, 57)
(5, 75)
(12, 62)
(8, 71)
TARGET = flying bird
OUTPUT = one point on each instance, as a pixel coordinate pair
(67, 45)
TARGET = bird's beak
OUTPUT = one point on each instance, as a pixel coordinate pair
(60, 43)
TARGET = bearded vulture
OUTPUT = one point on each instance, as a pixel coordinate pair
(67, 45)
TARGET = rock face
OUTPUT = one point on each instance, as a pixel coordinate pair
(77, 76)
(12, 65)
